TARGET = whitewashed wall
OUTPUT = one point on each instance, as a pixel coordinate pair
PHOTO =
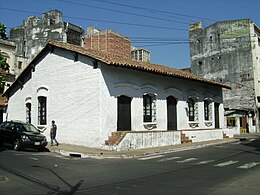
(83, 100)
(73, 95)
(142, 140)
(132, 83)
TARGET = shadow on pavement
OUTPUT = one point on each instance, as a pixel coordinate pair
(52, 189)
(6, 147)
(254, 143)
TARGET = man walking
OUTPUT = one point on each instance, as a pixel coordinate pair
(53, 133)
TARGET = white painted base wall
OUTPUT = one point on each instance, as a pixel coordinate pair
(141, 140)
(149, 139)
(208, 135)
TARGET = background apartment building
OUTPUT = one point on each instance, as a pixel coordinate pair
(35, 32)
(140, 54)
(229, 52)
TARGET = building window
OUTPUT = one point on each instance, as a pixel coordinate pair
(52, 21)
(199, 63)
(20, 65)
(207, 110)
(28, 112)
(231, 121)
(192, 109)
(42, 110)
(149, 108)
(211, 38)
(258, 99)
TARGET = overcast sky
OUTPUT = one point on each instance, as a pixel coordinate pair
(161, 26)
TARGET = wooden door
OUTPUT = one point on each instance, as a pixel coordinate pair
(171, 113)
(124, 113)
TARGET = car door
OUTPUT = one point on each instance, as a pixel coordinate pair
(8, 133)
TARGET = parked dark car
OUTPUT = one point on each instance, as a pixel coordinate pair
(22, 135)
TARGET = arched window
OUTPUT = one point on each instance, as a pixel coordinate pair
(193, 109)
(207, 109)
(42, 110)
(149, 108)
(28, 112)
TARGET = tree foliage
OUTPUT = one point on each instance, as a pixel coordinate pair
(3, 64)
(3, 31)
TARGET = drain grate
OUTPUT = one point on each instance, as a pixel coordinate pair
(75, 155)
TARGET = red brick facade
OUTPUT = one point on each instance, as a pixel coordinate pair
(108, 41)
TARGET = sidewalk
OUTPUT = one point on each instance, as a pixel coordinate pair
(86, 152)
(247, 136)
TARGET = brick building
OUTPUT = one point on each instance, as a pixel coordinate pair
(108, 41)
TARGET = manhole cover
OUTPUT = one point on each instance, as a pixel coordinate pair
(2, 178)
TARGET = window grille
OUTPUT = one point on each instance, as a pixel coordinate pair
(42, 110)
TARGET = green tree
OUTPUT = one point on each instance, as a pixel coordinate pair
(3, 31)
(3, 64)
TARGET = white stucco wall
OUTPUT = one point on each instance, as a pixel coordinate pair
(134, 84)
(83, 100)
(72, 98)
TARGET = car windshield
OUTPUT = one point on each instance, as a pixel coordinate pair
(27, 128)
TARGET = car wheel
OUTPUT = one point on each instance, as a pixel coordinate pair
(17, 145)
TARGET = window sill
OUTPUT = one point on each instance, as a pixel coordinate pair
(209, 123)
(41, 126)
(150, 125)
(194, 124)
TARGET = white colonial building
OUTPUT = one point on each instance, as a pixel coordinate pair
(92, 95)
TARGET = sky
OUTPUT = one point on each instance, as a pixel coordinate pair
(161, 26)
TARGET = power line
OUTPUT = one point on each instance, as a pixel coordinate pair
(105, 21)
(126, 23)
(124, 12)
(163, 44)
(153, 10)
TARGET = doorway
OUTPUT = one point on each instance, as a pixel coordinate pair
(171, 113)
(123, 113)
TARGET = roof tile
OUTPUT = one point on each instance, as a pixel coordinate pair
(134, 64)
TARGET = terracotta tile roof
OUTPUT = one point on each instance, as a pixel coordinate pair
(133, 64)
(3, 100)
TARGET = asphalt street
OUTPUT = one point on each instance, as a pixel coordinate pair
(231, 168)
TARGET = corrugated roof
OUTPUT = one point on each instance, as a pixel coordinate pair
(133, 64)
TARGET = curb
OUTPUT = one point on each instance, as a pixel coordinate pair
(125, 156)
